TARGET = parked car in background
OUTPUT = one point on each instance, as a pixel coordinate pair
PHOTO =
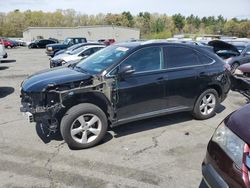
(75, 55)
(3, 53)
(20, 42)
(7, 43)
(53, 48)
(227, 161)
(234, 55)
(244, 69)
(76, 46)
(123, 83)
(40, 43)
(107, 42)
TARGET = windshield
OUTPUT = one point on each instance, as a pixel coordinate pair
(102, 59)
(67, 41)
(73, 47)
(78, 50)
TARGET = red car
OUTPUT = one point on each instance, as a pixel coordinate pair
(227, 162)
(107, 42)
(7, 43)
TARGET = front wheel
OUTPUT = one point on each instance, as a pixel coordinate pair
(206, 104)
(83, 126)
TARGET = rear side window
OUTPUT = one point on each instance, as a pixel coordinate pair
(204, 59)
(180, 57)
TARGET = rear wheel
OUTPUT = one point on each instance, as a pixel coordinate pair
(83, 126)
(206, 104)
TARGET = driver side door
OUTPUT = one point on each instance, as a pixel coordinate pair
(142, 93)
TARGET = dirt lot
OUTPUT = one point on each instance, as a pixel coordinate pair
(159, 152)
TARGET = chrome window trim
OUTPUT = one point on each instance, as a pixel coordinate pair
(108, 75)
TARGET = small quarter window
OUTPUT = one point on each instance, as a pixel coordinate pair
(204, 59)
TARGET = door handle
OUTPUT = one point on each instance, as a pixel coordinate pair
(202, 74)
(160, 80)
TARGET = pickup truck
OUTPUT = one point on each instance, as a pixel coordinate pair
(51, 49)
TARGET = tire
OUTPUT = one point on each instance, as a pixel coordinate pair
(203, 108)
(75, 129)
(234, 66)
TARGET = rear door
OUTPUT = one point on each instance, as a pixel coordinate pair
(184, 71)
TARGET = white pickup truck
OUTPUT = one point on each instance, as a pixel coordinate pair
(3, 53)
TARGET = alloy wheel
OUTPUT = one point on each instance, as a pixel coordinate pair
(207, 104)
(86, 128)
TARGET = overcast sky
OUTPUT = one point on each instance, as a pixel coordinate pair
(227, 8)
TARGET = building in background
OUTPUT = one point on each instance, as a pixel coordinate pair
(90, 32)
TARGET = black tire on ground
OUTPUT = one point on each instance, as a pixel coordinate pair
(72, 114)
(197, 113)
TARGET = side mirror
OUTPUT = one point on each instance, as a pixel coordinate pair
(126, 70)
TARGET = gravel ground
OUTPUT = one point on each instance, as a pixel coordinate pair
(160, 152)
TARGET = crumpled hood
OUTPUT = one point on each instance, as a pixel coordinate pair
(56, 76)
(238, 122)
(219, 45)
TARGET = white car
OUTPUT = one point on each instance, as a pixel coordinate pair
(74, 56)
(3, 53)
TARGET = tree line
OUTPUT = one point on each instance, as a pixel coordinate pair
(151, 25)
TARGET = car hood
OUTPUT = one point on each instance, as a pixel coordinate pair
(72, 58)
(219, 45)
(238, 122)
(59, 56)
(245, 67)
(62, 75)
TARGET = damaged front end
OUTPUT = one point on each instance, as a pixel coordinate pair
(48, 106)
(42, 107)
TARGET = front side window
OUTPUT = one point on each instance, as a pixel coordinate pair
(103, 59)
(180, 57)
(147, 59)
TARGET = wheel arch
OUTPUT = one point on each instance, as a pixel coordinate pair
(96, 98)
(216, 88)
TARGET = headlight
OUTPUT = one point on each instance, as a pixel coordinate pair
(230, 143)
(50, 48)
(63, 62)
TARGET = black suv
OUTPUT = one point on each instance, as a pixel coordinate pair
(41, 43)
(123, 83)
